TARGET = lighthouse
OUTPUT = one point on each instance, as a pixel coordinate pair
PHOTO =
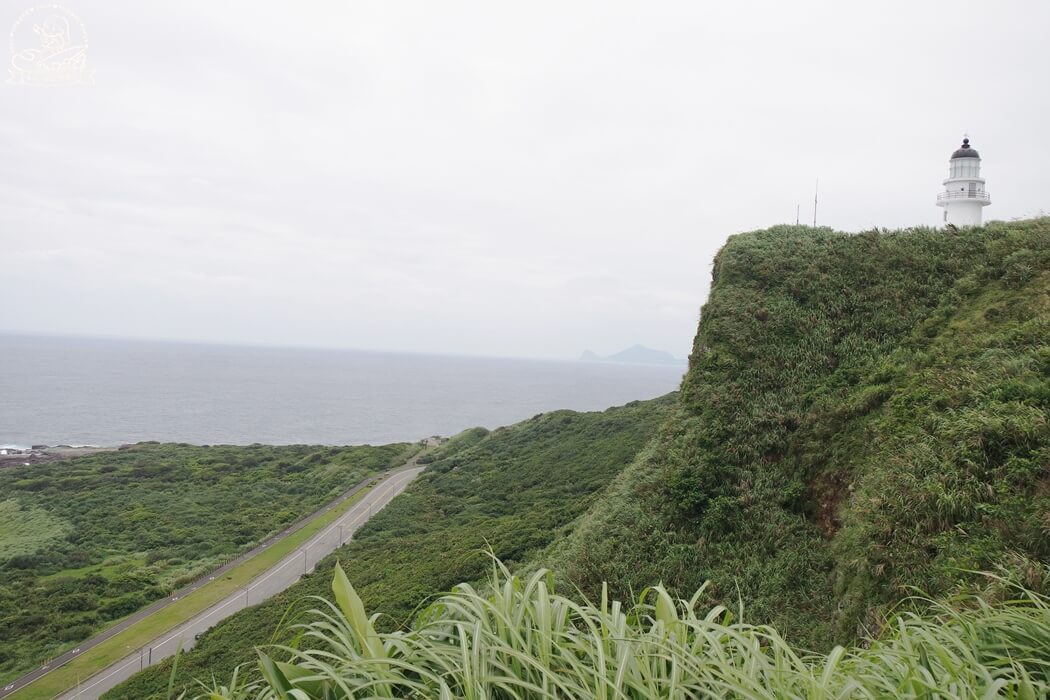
(964, 195)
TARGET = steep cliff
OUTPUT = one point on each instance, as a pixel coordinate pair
(863, 415)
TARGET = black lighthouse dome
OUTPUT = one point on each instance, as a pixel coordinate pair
(965, 151)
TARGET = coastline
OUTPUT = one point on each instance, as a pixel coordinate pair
(18, 456)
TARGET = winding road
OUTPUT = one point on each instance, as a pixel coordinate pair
(269, 583)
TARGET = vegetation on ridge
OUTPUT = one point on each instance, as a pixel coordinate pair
(514, 490)
(863, 414)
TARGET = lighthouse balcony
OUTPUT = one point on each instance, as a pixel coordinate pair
(964, 195)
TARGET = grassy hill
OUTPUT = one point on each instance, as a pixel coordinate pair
(514, 490)
(863, 414)
(87, 541)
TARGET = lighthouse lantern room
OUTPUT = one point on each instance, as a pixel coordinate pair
(964, 195)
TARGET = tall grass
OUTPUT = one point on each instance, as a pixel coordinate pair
(522, 640)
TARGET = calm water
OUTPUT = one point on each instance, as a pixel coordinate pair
(103, 392)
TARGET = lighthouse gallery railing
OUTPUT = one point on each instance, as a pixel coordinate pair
(980, 195)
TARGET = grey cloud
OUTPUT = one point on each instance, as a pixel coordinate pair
(479, 177)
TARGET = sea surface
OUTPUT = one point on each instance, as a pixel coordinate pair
(70, 391)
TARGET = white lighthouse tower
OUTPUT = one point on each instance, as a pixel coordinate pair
(964, 195)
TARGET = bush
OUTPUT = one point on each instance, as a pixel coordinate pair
(74, 633)
(76, 602)
(122, 606)
(1019, 268)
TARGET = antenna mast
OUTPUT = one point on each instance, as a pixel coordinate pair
(798, 208)
(816, 187)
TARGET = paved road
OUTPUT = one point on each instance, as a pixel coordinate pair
(269, 583)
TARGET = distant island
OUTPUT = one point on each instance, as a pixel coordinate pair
(635, 355)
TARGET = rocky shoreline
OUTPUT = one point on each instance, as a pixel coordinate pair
(38, 454)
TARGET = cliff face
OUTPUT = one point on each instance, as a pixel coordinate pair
(862, 414)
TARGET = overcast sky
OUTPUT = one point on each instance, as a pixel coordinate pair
(493, 178)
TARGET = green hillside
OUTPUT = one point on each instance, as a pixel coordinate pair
(87, 541)
(862, 414)
(514, 490)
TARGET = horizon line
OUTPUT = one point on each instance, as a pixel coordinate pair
(289, 346)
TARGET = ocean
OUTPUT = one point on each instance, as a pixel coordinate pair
(76, 391)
